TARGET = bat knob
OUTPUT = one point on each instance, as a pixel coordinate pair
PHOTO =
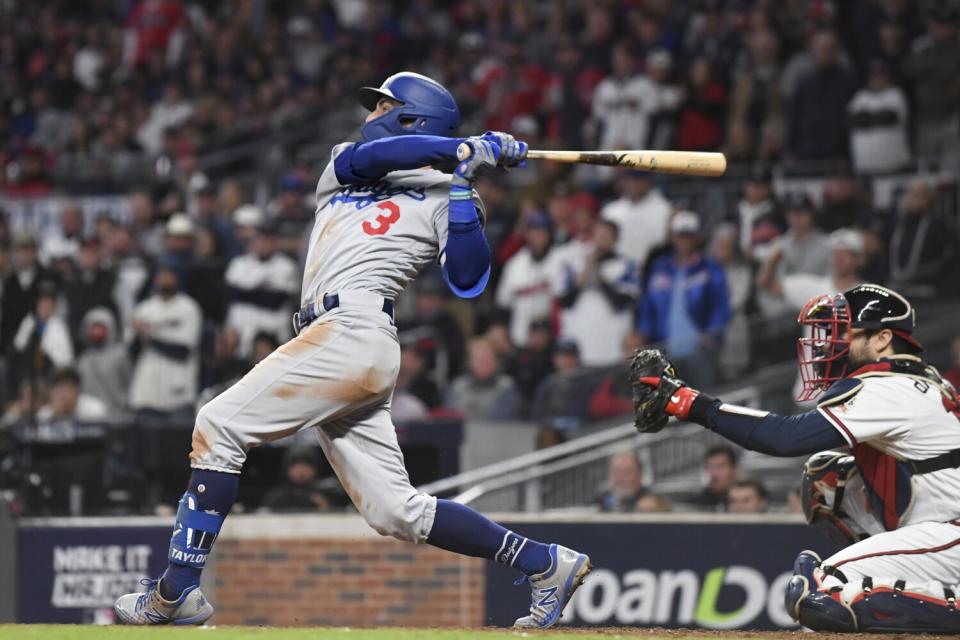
(464, 151)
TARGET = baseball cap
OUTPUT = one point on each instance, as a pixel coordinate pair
(180, 224)
(302, 453)
(568, 346)
(636, 174)
(292, 182)
(65, 374)
(685, 222)
(46, 289)
(24, 239)
(538, 220)
(541, 324)
(849, 239)
(200, 183)
(761, 172)
(268, 227)
(797, 201)
(584, 200)
(248, 215)
(659, 59)
(299, 26)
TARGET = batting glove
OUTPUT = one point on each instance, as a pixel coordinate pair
(514, 151)
(484, 154)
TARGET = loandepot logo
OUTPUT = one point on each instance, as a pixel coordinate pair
(680, 598)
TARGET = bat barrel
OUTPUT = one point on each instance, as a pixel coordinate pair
(693, 163)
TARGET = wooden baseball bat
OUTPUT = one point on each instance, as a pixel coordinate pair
(690, 163)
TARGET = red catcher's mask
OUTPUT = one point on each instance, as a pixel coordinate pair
(824, 348)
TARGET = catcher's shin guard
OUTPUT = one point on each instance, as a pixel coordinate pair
(896, 609)
(812, 608)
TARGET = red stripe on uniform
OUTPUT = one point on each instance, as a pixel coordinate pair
(903, 552)
(839, 423)
(909, 594)
(880, 473)
(890, 482)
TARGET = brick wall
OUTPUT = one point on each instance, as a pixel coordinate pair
(334, 571)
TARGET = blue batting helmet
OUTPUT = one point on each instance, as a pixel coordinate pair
(427, 107)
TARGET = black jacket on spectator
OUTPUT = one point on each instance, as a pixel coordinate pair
(818, 127)
(17, 303)
(707, 500)
(204, 283)
(319, 495)
(529, 369)
(425, 390)
(920, 251)
(88, 290)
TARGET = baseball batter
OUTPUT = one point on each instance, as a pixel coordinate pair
(382, 215)
(892, 499)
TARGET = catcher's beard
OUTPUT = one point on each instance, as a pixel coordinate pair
(858, 355)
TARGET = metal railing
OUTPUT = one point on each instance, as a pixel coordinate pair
(544, 479)
(568, 475)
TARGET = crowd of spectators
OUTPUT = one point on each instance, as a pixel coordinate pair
(100, 84)
(135, 314)
(725, 490)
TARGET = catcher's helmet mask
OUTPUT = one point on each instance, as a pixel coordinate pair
(824, 354)
(426, 107)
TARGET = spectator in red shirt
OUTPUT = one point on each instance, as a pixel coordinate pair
(701, 120)
(153, 26)
(511, 87)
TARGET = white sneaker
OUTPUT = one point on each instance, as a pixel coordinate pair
(552, 588)
(150, 608)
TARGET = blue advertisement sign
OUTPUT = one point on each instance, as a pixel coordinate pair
(74, 574)
(696, 575)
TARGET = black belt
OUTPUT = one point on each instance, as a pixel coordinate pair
(948, 460)
(309, 312)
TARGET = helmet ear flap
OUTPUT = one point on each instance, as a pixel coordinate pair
(429, 104)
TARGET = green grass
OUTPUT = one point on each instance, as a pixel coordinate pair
(78, 632)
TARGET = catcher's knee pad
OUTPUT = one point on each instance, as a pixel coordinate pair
(820, 610)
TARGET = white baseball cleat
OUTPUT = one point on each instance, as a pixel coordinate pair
(552, 588)
(150, 608)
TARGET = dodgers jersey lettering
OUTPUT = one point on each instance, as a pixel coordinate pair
(375, 237)
(898, 417)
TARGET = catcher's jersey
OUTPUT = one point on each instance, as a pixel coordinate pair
(894, 418)
(375, 237)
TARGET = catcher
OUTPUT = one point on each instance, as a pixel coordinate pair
(890, 496)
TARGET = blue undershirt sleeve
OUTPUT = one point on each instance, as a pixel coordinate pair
(769, 433)
(466, 267)
(369, 161)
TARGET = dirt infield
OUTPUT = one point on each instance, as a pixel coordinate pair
(682, 634)
(89, 632)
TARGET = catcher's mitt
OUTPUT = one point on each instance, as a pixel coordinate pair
(648, 400)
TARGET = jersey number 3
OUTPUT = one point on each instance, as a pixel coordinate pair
(382, 223)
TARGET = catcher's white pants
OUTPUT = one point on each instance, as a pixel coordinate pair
(337, 377)
(926, 556)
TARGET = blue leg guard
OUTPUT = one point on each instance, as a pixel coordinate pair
(193, 534)
(203, 507)
(814, 609)
(895, 610)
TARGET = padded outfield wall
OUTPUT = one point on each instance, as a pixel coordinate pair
(684, 570)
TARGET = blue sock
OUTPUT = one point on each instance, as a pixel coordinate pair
(462, 530)
(202, 509)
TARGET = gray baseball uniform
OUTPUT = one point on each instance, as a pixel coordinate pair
(338, 375)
